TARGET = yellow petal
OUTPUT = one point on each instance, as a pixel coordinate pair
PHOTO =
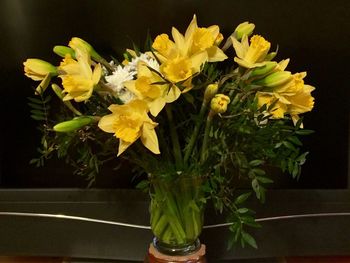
(198, 60)
(123, 146)
(179, 41)
(156, 106)
(173, 94)
(191, 28)
(238, 47)
(84, 62)
(214, 30)
(96, 74)
(149, 138)
(106, 123)
(215, 54)
(130, 85)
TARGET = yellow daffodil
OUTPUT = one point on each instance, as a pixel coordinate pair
(251, 55)
(183, 57)
(266, 98)
(38, 69)
(293, 98)
(301, 102)
(78, 79)
(155, 95)
(219, 103)
(130, 122)
(165, 47)
(199, 39)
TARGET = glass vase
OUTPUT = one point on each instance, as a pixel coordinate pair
(177, 208)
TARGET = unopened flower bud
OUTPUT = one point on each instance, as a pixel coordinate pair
(242, 29)
(275, 79)
(270, 56)
(62, 51)
(82, 44)
(219, 103)
(74, 124)
(38, 69)
(210, 91)
(260, 71)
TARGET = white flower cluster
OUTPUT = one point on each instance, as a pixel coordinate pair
(126, 73)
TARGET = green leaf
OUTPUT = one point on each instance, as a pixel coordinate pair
(264, 180)
(258, 171)
(304, 132)
(256, 162)
(35, 100)
(295, 140)
(242, 198)
(296, 169)
(250, 221)
(289, 145)
(256, 188)
(136, 49)
(38, 118)
(242, 210)
(36, 106)
(38, 113)
(249, 239)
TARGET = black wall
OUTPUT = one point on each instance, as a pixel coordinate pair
(314, 34)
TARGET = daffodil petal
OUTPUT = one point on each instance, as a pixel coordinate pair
(215, 54)
(214, 30)
(191, 28)
(198, 60)
(238, 47)
(96, 74)
(173, 94)
(106, 123)
(179, 41)
(156, 106)
(123, 146)
(149, 138)
(130, 85)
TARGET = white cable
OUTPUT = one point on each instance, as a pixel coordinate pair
(87, 219)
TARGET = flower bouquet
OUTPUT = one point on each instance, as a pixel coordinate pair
(198, 114)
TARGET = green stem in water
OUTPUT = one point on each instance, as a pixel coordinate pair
(195, 132)
(174, 138)
(204, 150)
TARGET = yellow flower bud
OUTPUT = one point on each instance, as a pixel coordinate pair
(275, 79)
(62, 51)
(74, 124)
(38, 69)
(242, 29)
(260, 71)
(78, 43)
(210, 91)
(219, 103)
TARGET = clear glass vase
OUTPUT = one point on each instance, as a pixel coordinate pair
(177, 208)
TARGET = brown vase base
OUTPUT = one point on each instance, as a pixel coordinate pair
(154, 256)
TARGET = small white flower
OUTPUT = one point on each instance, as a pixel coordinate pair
(118, 77)
(151, 62)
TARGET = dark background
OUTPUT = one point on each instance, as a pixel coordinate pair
(314, 34)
